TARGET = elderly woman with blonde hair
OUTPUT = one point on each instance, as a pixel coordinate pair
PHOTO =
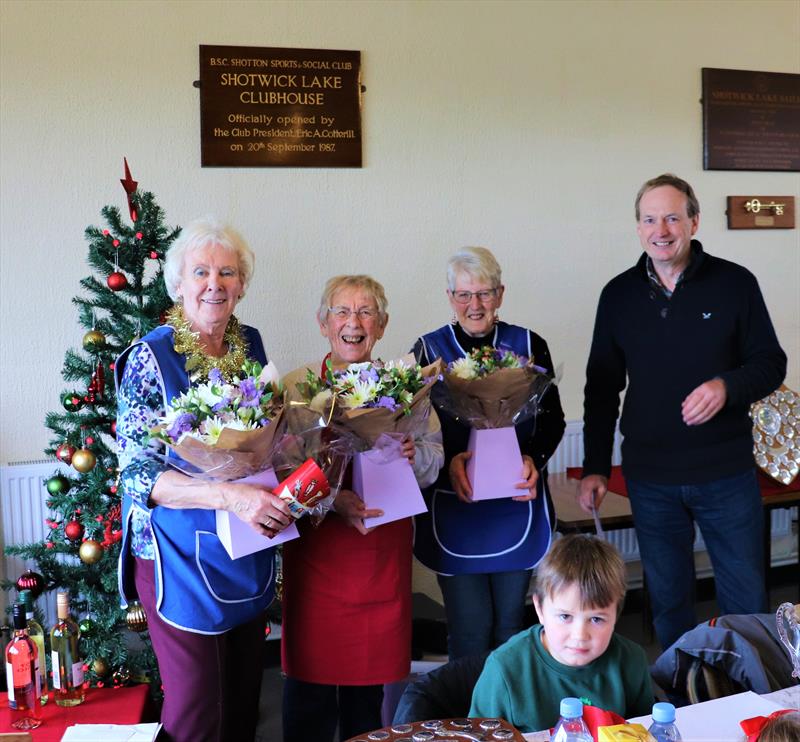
(347, 587)
(205, 611)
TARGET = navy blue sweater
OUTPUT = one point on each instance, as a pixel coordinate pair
(715, 325)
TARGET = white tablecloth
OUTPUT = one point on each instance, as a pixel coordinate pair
(718, 720)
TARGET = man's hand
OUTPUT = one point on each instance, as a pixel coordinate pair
(704, 402)
(530, 476)
(591, 492)
(458, 476)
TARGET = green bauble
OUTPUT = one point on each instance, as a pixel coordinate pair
(58, 485)
(87, 626)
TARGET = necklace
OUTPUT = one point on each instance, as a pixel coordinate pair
(198, 362)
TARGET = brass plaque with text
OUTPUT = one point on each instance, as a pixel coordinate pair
(271, 107)
(751, 120)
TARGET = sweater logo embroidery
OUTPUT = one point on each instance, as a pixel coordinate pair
(706, 315)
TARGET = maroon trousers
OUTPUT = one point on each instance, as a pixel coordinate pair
(212, 683)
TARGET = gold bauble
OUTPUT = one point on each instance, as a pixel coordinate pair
(100, 667)
(90, 552)
(136, 618)
(93, 339)
(83, 460)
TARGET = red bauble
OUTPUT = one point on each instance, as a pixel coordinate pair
(153, 254)
(32, 581)
(139, 235)
(114, 428)
(115, 243)
(74, 530)
(64, 453)
(117, 281)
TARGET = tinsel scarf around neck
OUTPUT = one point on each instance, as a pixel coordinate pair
(198, 363)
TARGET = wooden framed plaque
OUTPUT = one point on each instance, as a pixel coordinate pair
(751, 120)
(271, 107)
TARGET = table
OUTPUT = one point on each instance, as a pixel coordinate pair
(102, 705)
(717, 720)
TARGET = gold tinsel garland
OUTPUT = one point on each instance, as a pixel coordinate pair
(198, 363)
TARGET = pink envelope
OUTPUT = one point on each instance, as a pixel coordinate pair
(495, 466)
(238, 538)
(390, 486)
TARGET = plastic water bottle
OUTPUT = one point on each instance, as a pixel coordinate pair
(663, 727)
(571, 727)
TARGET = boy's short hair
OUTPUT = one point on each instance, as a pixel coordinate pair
(595, 566)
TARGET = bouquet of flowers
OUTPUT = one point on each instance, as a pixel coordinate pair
(373, 398)
(364, 412)
(226, 429)
(493, 388)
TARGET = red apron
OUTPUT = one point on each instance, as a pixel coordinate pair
(347, 603)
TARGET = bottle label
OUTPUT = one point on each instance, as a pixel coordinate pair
(10, 685)
(77, 674)
(56, 670)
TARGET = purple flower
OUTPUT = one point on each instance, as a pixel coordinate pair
(251, 397)
(388, 403)
(215, 376)
(368, 374)
(183, 424)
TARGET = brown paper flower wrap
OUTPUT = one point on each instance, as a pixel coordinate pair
(236, 454)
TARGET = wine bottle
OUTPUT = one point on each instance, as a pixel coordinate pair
(22, 675)
(36, 632)
(67, 663)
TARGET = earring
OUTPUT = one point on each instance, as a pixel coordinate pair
(496, 317)
(454, 321)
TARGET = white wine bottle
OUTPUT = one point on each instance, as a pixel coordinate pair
(36, 632)
(67, 663)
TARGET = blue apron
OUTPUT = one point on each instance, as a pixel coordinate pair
(455, 537)
(199, 588)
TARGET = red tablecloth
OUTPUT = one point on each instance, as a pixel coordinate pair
(102, 706)
(616, 482)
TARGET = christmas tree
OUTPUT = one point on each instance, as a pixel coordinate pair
(122, 300)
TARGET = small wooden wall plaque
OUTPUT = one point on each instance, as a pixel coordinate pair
(760, 212)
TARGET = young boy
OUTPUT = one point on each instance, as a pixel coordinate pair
(580, 586)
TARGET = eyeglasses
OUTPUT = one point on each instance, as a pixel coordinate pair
(365, 314)
(465, 297)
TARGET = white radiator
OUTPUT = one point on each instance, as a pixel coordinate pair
(570, 453)
(23, 511)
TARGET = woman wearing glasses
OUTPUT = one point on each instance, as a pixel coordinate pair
(483, 552)
(347, 587)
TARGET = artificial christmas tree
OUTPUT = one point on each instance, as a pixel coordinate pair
(122, 300)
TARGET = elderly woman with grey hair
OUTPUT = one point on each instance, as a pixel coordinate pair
(205, 611)
(347, 587)
(483, 552)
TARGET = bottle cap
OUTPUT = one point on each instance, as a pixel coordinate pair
(663, 713)
(20, 619)
(571, 708)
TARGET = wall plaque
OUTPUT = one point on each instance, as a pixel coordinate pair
(760, 212)
(751, 120)
(270, 107)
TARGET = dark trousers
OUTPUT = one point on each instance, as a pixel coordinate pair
(483, 610)
(311, 711)
(212, 684)
(731, 520)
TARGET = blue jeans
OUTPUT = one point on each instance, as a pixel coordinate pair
(731, 520)
(483, 610)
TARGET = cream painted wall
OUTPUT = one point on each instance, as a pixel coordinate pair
(523, 126)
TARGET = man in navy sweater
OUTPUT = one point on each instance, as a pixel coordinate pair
(690, 336)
